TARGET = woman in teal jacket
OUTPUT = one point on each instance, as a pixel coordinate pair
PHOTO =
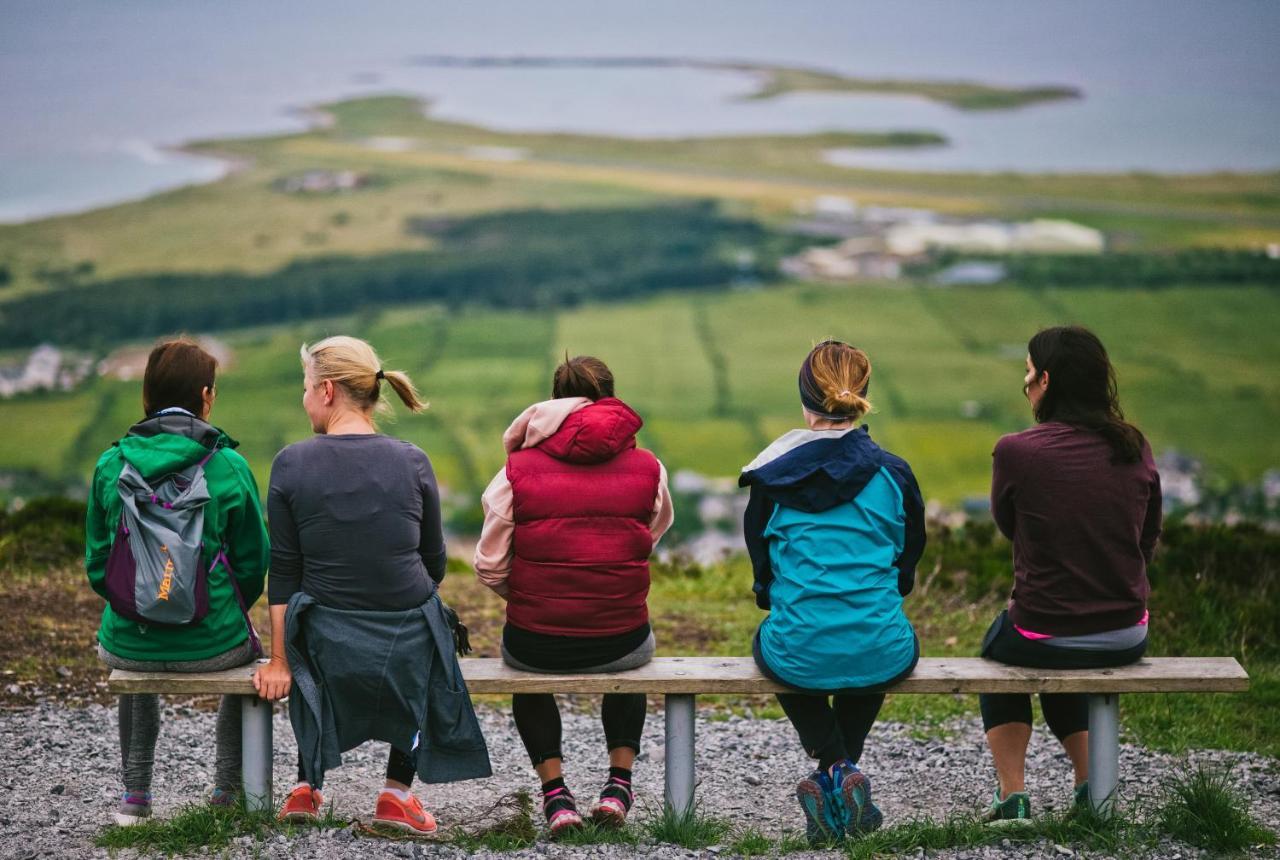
(834, 527)
(177, 397)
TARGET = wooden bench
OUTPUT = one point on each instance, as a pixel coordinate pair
(681, 679)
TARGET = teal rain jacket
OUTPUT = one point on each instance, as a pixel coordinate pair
(834, 527)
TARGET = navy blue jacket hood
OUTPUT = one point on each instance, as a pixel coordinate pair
(816, 475)
(820, 474)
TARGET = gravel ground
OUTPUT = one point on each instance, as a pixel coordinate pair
(60, 768)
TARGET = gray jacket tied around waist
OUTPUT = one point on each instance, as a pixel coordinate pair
(360, 675)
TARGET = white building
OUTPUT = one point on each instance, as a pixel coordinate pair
(994, 237)
(38, 373)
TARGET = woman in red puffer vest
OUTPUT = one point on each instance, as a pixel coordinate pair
(569, 525)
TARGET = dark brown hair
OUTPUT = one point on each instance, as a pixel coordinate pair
(1082, 388)
(582, 376)
(178, 372)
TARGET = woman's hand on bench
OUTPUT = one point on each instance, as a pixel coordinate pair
(272, 681)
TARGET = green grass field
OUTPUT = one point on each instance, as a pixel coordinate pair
(1197, 368)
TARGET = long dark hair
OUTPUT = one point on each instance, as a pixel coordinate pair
(1082, 388)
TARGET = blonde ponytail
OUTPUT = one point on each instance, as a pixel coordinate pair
(834, 380)
(402, 385)
(354, 367)
(846, 402)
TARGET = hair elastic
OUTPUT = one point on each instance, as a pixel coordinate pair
(380, 374)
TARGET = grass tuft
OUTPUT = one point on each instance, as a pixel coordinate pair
(1205, 809)
(201, 826)
(792, 841)
(925, 833)
(1082, 828)
(591, 834)
(510, 826)
(751, 843)
(689, 829)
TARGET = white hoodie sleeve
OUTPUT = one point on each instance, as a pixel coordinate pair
(494, 551)
(664, 512)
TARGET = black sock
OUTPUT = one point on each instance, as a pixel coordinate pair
(618, 786)
(556, 796)
(826, 761)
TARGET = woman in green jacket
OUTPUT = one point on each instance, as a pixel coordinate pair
(174, 437)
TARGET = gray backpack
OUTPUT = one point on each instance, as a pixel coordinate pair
(156, 571)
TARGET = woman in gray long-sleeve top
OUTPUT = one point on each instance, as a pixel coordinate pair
(355, 527)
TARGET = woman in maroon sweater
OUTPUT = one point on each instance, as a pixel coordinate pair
(1079, 497)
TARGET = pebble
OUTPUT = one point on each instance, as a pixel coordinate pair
(747, 770)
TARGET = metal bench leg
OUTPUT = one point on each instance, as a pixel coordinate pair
(255, 752)
(1104, 751)
(679, 766)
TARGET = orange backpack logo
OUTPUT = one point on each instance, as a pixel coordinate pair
(167, 582)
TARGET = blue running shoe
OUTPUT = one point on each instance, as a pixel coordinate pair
(852, 792)
(822, 824)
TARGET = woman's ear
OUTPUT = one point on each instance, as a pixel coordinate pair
(1044, 381)
(328, 392)
(207, 395)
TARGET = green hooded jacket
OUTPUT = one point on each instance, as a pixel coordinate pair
(155, 447)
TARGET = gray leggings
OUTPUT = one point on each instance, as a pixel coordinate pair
(140, 719)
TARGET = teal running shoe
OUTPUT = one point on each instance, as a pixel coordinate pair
(1014, 810)
(1081, 799)
(852, 792)
(822, 820)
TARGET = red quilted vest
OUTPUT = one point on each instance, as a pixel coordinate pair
(583, 499)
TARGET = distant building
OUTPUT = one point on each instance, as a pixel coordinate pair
(971, 272)
(689, 481)
(835, 207)
(497, 153)
(994, 237)
(47, 368)
(390, 144)
(323, 181)
(1179, 479)
(857, 258)
(882, 215)
(1271, 485)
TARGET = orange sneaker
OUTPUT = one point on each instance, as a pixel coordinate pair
(407, 815)
(302, 805)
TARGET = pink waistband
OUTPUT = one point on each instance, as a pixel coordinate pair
(1031, 635)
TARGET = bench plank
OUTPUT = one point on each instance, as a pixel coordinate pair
(691, 675)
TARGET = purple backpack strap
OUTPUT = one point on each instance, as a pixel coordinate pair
(235, 586)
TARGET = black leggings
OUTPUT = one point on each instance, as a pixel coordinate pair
(835, 730)
(538, 721)
(401, 766)
(1066, 713)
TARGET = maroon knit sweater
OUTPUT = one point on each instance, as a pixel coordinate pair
(1083, 529)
